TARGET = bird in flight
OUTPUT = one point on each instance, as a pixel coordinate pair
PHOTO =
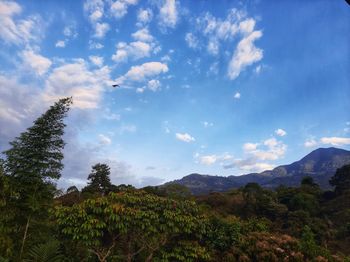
(116, 85)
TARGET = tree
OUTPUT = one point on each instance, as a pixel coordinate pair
(341, 179)
(135, 225)
(33, 162)
(99, 181)
(308, 244)
(308, 181)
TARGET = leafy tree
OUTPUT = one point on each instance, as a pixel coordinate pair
(341, 179)
(308, 244)
(133, 224)
(308, 181)
(99, 180)
(32, 162)
(7, 227)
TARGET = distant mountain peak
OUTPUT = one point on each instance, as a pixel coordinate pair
(320, 164)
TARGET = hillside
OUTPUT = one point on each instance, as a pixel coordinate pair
(320, 164)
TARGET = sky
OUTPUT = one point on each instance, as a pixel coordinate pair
(211, 87)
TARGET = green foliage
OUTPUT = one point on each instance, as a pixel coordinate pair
(221, 234)
(45, 252)
(175, 191)
(341, 179)
(32, 162)
(143, 222)
(36, 154)
(99, 180)
(308, 244)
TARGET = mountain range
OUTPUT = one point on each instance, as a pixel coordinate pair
(321, 164)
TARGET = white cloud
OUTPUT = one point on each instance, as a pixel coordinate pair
(70, 31)
(165, 58)
(191, 40)
(144, 16)
(16, 31)
(249, 165)
(168, 14)
(60, 43)
(310, 143)
(250, 147)
(135, 50)
(36, 62)
(212, 159)
(184, 137)
(213, 47)
(143, 35)
(94, 45)
(280, 132)
(336, 141)
(19, 102)
(237, 95)
(142, 72)
(104, 140)
(96, 60)
(247, 26)
(153, 85)
(273, 149)
(140, 90)
(101, 30)
(236, 24)
(207, 124)
(208, 160)
(119, 8)
(258, 69)
(245, 54)
(76, 80)
(141, 48)
(94, 10)
(216, 29)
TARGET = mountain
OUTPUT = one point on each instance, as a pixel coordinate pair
(321, 164)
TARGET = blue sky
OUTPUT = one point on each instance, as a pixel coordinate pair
(221, 89)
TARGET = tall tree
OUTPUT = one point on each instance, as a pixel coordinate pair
(341, 179)
(99, 179)
(34, 161)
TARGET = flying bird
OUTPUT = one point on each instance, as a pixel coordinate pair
(116, 85)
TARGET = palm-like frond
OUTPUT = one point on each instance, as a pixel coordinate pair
(46, 252)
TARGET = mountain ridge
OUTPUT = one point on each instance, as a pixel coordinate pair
(320, 164)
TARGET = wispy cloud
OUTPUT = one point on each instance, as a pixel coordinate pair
(38, 63)
(280, 132)
(168, 14)
(119, 8)
(246, 53)
(18, 31)
(185, 137)
(336, 141)
(141, 72)
(77, 80)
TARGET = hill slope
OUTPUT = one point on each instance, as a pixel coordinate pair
(320, 164)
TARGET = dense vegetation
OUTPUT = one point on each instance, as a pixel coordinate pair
(105, 222)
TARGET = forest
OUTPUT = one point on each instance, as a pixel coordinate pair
(107, 222)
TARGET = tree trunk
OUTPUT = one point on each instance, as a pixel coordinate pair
(24, 238)
(129, 255)
(149, 258)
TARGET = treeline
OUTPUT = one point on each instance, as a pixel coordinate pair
(105, 222)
